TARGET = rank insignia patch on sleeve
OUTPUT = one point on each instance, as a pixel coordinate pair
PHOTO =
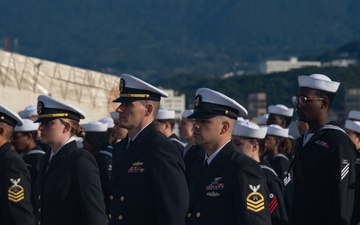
(15, 192)
(255, 200)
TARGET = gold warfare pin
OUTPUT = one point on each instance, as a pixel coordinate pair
(16, 192)
(255, 200)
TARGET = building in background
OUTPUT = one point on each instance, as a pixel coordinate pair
(272, 66)
(176, 101)
(23, 78)
(256, 105)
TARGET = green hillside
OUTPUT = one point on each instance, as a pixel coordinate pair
(165, 38)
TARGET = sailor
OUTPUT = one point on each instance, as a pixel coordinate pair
(15, 188)
(96, 141)
(226, 187)
(68, 188)
(324, 160)
(165, 122)
(249, 138)
(148, 184)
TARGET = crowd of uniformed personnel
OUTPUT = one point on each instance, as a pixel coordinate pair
(130, 168)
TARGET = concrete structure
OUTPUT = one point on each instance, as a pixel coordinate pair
(271, 66)
(23, 78)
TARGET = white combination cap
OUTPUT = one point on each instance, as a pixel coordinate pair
(132, 89)
(108, 121)
(281, 110)
(250, 130)
(28, 112)
(164, 114)
(353, 125)
(28, 125)
(261, 120)
(49, 108)
(210, 103)
(318, 82)
(354, 114)
(276, 130)
(95, 126)
(9, 117)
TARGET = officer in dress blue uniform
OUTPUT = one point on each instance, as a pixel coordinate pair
(324, 159)
(15, 188)
(148, 183)
(165, 122)
(249, 139)
(68, 188)
(226, 187)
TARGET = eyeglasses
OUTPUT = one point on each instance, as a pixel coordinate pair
(303, 100)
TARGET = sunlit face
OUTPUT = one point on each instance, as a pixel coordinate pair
(207, 131)
(242, 145)
(53, 132)
(131, 114)
(20, 141)
(186, 129)
(310, 111)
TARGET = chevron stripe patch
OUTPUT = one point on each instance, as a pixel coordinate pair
(345, 171)
(16, 191)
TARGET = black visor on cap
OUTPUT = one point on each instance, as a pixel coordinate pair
(132, 94)
(207, 110)
(48, 114)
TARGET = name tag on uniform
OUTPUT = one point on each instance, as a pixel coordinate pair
(137, 167)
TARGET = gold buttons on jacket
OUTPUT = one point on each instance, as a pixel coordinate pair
(122, 198)
(39, 222)
(39, 197)
(39, 209)
(111, 197)
(109, 216)
(198, 215)
(120, 217)
(188, 215)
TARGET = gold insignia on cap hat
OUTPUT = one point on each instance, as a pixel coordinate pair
(197, 100)
(40, 105)
(122, 85)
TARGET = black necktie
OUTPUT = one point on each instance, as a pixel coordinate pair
(206, 165)
(128, 144)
